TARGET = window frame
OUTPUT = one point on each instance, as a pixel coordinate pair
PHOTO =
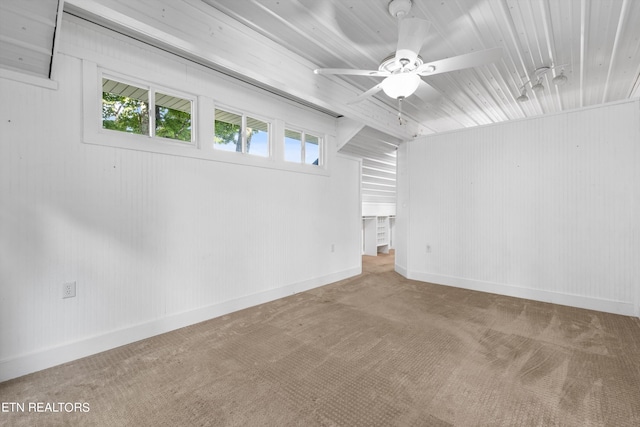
(303, 141)
(193, 100)
(152, 90)
(202, 125)
(243, 126)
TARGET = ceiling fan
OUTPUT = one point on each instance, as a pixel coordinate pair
(403, 70)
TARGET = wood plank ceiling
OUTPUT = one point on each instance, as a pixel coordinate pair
(596, 43)
(27, 33)
(378, 153)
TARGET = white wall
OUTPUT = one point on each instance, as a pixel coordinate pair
(378, 209)
(154, 241)
(545, 208)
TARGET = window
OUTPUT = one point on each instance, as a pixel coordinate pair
(160, 115)
(240, 133)
(302, 147)
(227, 134)
(257, 137)
(311, 150)
(173, 117)
(126, 107)
(292, 146)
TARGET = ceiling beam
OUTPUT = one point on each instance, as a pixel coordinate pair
(203, 34)
(347, 129)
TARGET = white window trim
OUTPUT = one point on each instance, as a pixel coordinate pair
(270, 127)
(243, 126)
(202, 128)
(149, 142)
(321, 146)
(194, 112)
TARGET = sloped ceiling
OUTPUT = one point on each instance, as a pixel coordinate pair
(378, 153)
(276, 44)
(596, 42)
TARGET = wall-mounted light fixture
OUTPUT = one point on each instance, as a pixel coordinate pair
(535, 81)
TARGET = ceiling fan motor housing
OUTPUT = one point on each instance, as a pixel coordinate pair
(399, 8)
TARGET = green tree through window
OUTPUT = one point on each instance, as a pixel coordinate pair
(125, 114)
(228, 131)
(125, 108)
(173, 124)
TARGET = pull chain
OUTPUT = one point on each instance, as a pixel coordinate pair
(400, 99)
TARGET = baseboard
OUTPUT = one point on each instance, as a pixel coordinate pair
(402, 270)
(579, 301)
(28, 363)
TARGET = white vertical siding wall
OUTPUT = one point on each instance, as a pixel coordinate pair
(545, 208)
(154, 241)
(403, 213)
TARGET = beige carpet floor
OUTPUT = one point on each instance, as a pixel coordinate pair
(373, 350)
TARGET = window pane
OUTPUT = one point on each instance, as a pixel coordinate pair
(311, 149)
(257, 137)
(124, 107)
(292, 146)
(173, 117)
(227, 131)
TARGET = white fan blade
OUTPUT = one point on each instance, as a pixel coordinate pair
(460, 62)
(411, 37)
(377, 88)
(427, 93)
(348, 71)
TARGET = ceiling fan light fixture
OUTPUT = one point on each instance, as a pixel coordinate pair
(400, 85)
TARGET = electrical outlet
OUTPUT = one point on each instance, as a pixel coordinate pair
(333, 247)
(69, 290)
(428, 249)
